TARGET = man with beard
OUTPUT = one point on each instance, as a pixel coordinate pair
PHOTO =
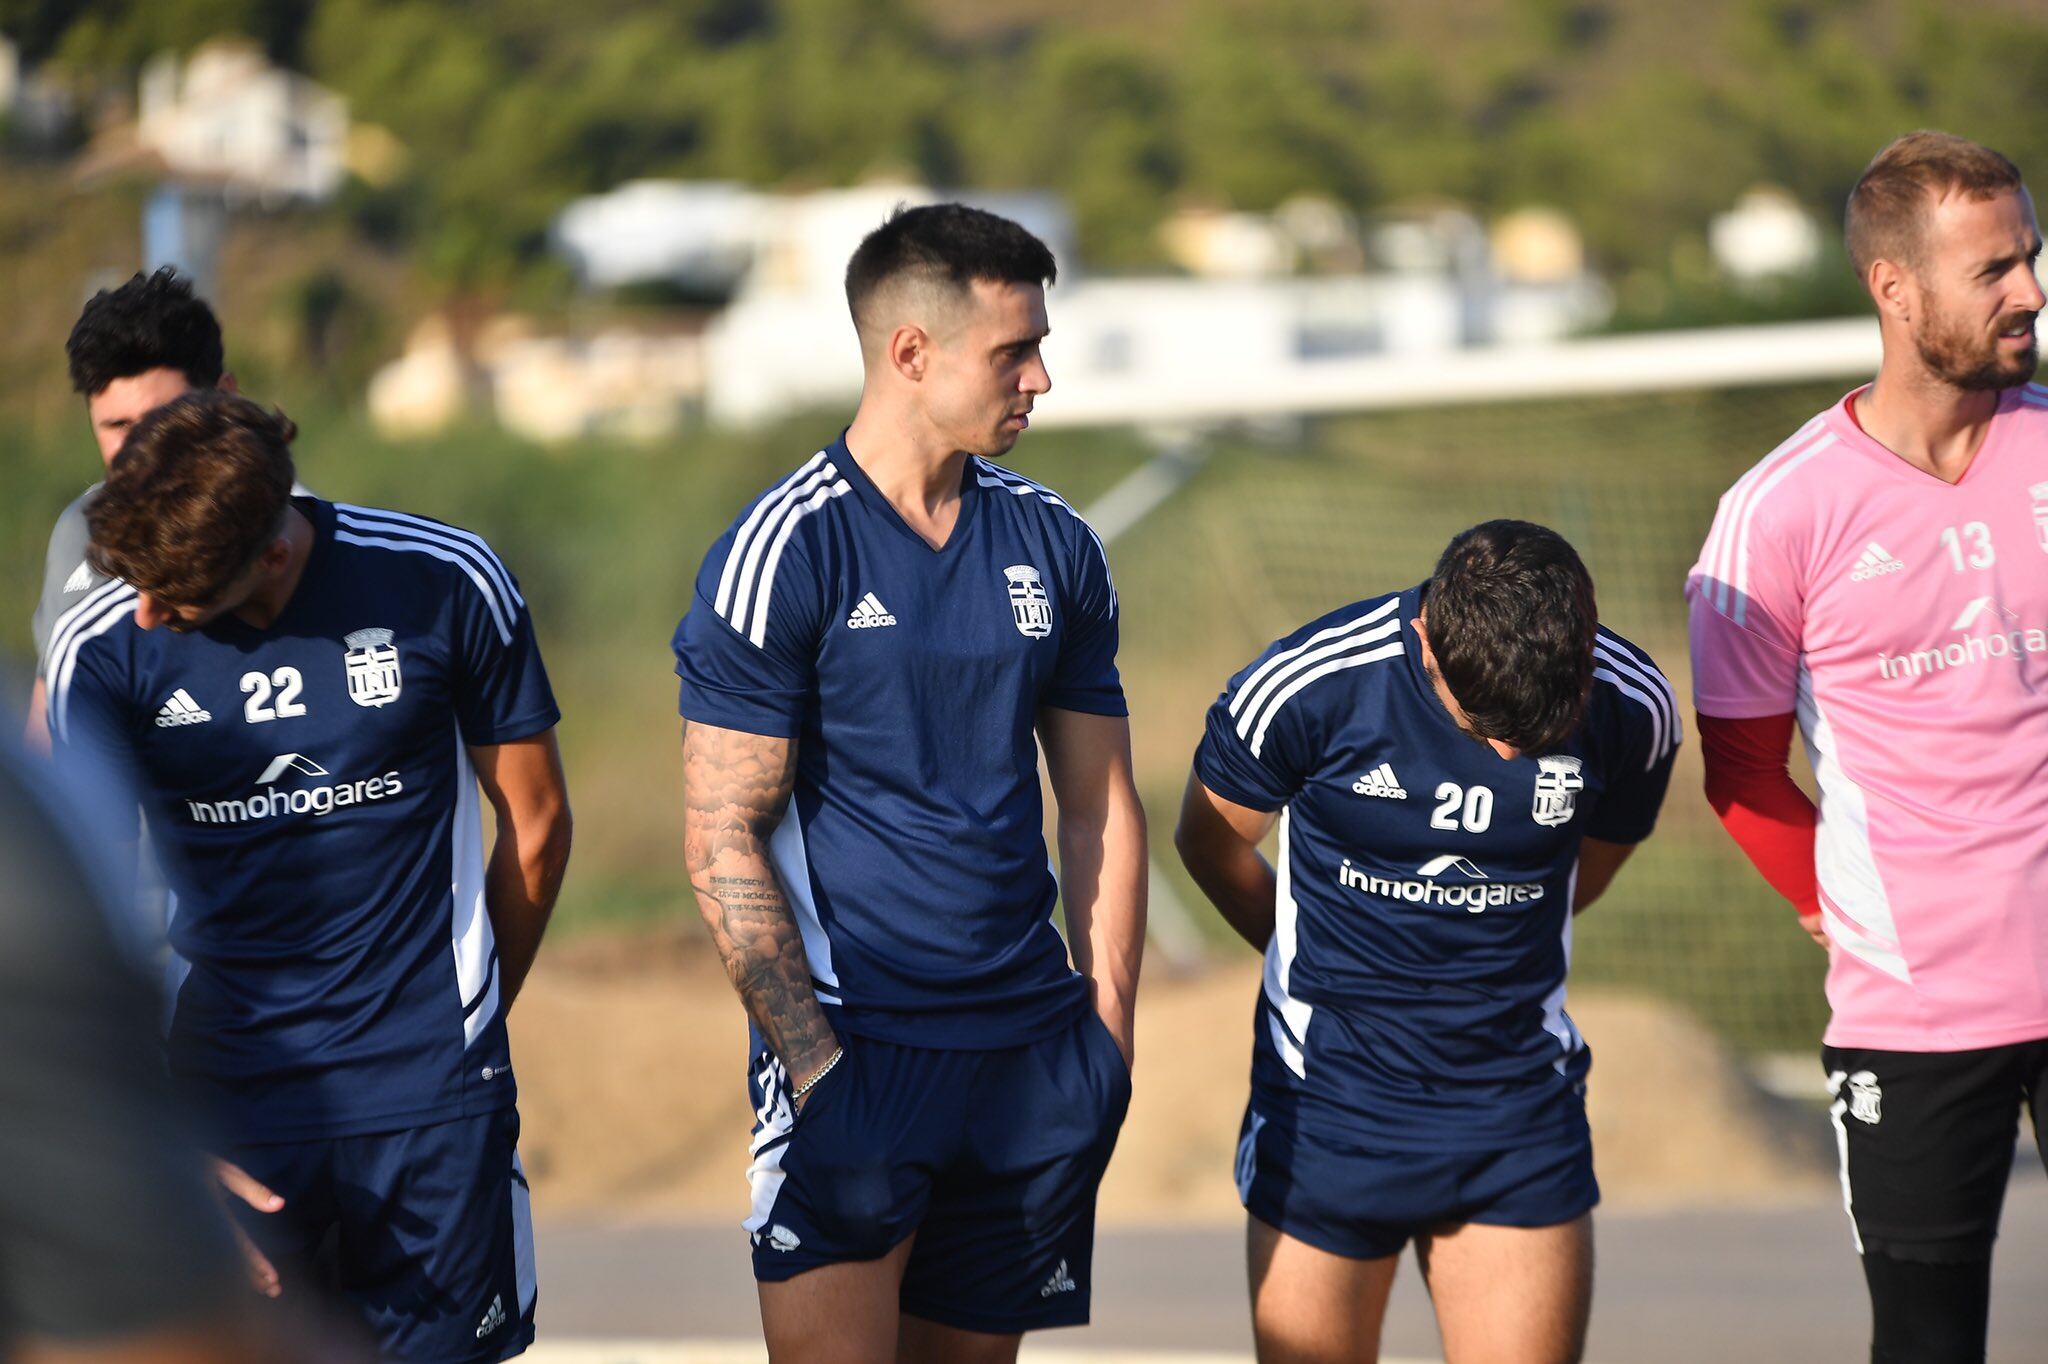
(1880, 579)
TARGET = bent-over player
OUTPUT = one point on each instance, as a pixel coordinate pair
(308, 697)
(1456, 769)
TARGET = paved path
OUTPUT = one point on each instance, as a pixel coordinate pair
(1680, 1288)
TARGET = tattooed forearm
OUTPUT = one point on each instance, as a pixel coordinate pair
(736, 787)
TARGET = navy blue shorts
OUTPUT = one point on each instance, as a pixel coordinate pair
(1366, 1204)
(426, 1233)
(991, 1158)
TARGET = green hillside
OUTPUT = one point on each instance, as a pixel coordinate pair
(1638, 117)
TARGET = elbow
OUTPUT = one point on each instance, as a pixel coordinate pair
(561, 837)
(1712, 782)
(546, 857)
(1134, 817)
(1722, 785)
(1188, 847)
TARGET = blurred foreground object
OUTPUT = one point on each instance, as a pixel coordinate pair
(112, 1247)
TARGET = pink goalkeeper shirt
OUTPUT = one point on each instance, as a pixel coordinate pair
(1905, 621)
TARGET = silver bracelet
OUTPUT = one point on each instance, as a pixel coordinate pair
(821, 1073)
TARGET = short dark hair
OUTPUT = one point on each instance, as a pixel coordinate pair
(198, 489)
(1887, 211)
(1512, 622)
(151, 322)
(950, 244)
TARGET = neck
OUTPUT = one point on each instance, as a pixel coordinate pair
(1926, 421)
(268, 601)
(916, 470)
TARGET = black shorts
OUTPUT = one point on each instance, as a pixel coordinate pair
(1927, 1140)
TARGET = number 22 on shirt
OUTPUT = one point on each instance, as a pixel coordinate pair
(260, 706)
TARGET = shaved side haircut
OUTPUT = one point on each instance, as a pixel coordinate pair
(1887, 216)
(940, 250)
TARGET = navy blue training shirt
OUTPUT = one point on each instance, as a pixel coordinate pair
(912, 851)
(1414, 987)
(310, 785)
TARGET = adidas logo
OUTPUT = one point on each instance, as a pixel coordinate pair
(1875, 563)
(81, 580)
(181, 709)
(494, 1318)
(1060, 1282)
(869, 615)
(1381, 782)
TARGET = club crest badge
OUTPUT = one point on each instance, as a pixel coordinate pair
(1866, 1100)
(372, 662)
(1557, 786)
(2039, 492)
(1030, 607)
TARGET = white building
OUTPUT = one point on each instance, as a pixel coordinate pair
(227, 114)
(718, 236)
(702, 235)
(786, 342)
(1767, 235)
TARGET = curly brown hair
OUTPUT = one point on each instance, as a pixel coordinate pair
(198, 489)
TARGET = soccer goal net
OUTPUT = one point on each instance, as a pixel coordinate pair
(1274, 532)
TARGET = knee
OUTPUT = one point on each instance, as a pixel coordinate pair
(1927, 1311)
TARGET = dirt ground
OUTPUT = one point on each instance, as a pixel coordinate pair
(631, 1054)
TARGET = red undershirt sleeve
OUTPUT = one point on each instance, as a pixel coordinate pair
(1751, 789)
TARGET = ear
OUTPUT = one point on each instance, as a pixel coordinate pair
(1893, 289)
(909, 351)
(277, 553)
(227, 382)
(149, 615)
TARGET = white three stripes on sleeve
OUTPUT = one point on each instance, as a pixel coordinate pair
(1636, 677)
(1727, 552)
(406, 533)
(1719, 555)
(100, 612)
(797, 484)
(1281, 677)
(746, 586)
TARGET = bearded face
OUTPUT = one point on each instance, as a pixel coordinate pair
(1974, 354)
(1974, 297)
